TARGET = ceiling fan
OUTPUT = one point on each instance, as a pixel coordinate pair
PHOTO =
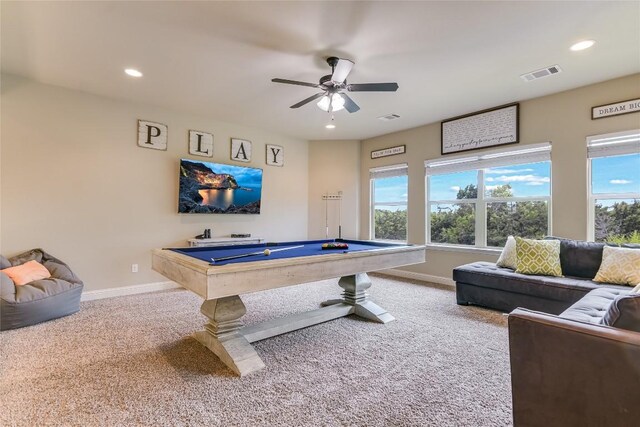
(333, 86)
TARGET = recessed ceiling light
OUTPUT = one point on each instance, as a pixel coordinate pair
(585, 44)
(133, 72)
(330, 126)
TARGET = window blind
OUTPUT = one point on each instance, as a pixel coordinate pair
(531, 153)
(389, 171)
(616, 144)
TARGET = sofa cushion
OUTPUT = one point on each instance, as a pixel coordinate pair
(620, 266)
(579, 258)
(538, 257)
(488, 275)
(4, 263)
(624, 312)
(592, 307)
(509, 256)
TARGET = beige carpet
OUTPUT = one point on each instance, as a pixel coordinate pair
(130, 361)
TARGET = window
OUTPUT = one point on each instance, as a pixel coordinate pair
(389, 186)
(479, 200)
(614, 187)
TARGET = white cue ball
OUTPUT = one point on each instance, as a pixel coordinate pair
(267, 252)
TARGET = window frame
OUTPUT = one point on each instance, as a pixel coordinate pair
(481, 202)
(617, 149)
(403, 168)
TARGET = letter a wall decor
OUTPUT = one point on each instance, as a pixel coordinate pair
(275, 155)
(240, 150)
(200, 143)
(152, 135)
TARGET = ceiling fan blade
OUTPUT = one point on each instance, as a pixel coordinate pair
(306, 101)
(373, 87)
(349, 105)
(295, 82)
(341, 70)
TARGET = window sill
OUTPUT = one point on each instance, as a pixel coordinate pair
(469, 249)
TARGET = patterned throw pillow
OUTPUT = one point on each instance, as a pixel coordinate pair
(538, 257)
(620, 266)
(509, 256)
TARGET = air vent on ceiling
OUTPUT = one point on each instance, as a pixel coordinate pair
(389, 117)
(544, 72)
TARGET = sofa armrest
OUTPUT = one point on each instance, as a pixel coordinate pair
(572, 373)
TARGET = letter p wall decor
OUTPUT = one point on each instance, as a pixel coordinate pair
(152, 135)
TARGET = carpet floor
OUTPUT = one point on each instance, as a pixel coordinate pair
(130, 361)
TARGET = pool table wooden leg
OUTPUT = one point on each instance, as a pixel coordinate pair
(355, 294)
(223, 337)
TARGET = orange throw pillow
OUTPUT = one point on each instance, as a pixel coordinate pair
(27, 272)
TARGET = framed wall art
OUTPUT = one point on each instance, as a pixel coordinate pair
(391, 151)
(486, 128)
(615, 109)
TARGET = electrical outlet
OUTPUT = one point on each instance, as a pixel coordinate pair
(134, 268)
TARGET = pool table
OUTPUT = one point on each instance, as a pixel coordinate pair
(221, 274)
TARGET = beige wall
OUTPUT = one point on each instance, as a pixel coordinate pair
(334, 166)
(563, 118)
(75, 183)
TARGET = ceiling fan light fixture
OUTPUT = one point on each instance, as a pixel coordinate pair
(336, 103)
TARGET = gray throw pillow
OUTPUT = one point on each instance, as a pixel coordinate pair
(624, 313)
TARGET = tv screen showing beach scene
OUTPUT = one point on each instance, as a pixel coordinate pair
(218, 188)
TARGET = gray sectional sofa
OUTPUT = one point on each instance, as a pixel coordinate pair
(580, 368)
(574, 344)
(487, 285)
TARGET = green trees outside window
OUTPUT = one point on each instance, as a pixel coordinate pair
(617, 222)
(515, 200)
(389, 204)
(390, 225)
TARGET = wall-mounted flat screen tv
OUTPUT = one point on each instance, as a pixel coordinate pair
(218, 188)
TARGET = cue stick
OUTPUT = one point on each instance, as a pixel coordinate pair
(227, 258)
(326, 216)
(340, 215)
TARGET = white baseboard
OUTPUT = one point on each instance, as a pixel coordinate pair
(419, 276)
(128, 290)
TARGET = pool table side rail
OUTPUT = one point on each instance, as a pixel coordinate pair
(235, 279)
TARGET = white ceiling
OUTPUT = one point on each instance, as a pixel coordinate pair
(217, 59)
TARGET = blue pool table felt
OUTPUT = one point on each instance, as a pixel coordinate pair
(309, 248)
